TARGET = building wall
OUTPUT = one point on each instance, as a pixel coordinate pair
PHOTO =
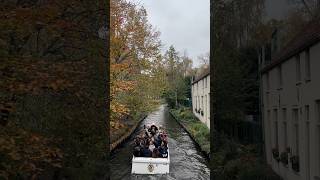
(291, 114)
(201, 99)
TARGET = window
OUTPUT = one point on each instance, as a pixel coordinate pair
(206, 104)
(280, 81)
(202, 83)
(307, 135)
(298, 70)
(196, 101)
(209, 106)
(295, 147)
(317, 109)
(285, 131)
(298, 94)
(307, 116)
(269, 135)
(202, 105)
(268, 82)
(199, 103)
(308, 74)
(206, 82)
(276, 136)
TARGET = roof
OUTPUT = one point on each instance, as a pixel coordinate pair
(309, 36)
(205, 73)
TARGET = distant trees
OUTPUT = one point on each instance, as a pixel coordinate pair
(178, 72)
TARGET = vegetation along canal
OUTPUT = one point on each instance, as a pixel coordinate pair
(187, 162)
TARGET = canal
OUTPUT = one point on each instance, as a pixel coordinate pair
(186, 161)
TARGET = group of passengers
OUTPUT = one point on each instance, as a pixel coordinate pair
(151, 142)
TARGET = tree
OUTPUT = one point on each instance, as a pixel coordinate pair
(51, 58)
(177, 77)
(237, 33)
(134, 54)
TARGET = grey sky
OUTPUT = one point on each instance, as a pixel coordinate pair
(185, 24)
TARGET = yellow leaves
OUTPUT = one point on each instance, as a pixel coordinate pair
(116, 125)
(122, 86)
(119, 67)
(118, 108)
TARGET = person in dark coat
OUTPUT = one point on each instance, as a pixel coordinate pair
(157, 141)
(155, 153)
(146, 151)
(163, 150)
(137, 151)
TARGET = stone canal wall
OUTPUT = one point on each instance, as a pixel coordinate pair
(123, 138)
(206, 154)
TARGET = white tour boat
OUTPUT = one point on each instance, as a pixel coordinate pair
(146, 165)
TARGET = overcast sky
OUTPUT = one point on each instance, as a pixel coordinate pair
(185, 24)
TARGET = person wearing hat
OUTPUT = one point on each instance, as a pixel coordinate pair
(153, 126)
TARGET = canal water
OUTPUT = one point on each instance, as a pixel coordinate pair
(186, 161)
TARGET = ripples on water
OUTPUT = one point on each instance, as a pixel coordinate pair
(186, 162)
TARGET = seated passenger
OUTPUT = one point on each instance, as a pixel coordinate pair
(146, 151)
(155, 153)
(160, 129)
(163, 150)
(157, 140)
(153, 132)
(154, 127)
(151, 146)
(137, 151)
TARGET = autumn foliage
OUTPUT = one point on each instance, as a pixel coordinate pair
(134, 44)
(52, 80)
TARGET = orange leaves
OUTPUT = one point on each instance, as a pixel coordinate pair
(29, 149)
(37, 76)
(133, 43)
(124, 86)
(119, 108)
(119, 67)
(120, 81)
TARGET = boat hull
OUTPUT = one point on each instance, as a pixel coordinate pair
(143, 165)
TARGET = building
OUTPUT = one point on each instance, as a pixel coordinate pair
(290, 106)
(200, 93)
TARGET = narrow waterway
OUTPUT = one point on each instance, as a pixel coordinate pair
(186, 161)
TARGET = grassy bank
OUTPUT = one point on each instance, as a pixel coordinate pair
(198, 130)
(229, 159)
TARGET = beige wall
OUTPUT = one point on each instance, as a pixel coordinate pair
(292, 95)
(201, 99)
